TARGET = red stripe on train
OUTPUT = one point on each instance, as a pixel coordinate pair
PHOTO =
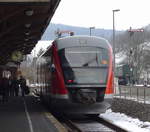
(110, 81)
(60, 86)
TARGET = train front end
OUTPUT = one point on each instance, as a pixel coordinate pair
(85, 64)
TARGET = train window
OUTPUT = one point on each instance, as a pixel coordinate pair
(83, 65)
(84, 57)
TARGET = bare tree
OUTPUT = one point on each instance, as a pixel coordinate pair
(135, 45)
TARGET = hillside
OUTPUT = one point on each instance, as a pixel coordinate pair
(52, 28)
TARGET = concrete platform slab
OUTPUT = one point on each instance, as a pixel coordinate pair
(27, 115)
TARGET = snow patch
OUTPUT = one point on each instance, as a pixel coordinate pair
(128, 123)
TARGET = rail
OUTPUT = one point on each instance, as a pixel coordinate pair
(82, 124)
(66, 122)
(71, 126)
(108, 124)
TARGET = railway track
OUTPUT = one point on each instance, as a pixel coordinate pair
(87, 123)
(107, 124)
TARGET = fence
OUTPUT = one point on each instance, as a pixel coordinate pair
(138, 93)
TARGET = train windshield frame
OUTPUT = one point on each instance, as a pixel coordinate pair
(84, 64)
(84, 57)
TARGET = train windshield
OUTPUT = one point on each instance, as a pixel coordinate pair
(84, 64)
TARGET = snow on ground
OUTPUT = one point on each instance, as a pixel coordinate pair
(128, 123)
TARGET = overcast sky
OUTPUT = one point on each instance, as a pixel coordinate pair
(98, 13)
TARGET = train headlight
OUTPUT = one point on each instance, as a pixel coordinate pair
(70, 81)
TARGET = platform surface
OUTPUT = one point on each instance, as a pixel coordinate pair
(26, 115)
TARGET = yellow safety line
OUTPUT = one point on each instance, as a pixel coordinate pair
(55, 122)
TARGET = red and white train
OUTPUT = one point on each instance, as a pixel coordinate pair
(75, 74)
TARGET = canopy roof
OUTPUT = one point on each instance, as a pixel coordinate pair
(22, 23)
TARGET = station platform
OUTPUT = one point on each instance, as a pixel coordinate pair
(27, 115)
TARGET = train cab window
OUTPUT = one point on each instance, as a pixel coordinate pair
(84, 64)
(84, 56)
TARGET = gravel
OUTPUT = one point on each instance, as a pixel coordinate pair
(131, 108)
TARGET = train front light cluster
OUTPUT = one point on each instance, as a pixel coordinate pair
(70, 81)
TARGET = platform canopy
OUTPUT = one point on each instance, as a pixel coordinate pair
(22, 23)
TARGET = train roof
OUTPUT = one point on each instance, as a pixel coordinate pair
(82, 41)
(72, 41)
